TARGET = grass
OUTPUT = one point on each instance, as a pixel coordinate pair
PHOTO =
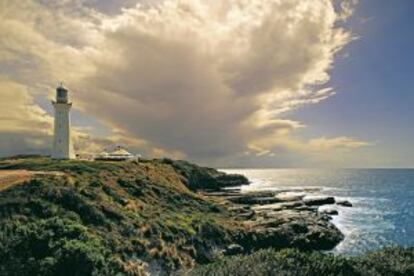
(46, 164)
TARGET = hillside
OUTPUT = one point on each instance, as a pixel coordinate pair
(105, 217)
(152, 217)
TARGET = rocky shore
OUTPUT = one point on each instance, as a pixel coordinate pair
(285, 218)
(270, 219)
(152, 217)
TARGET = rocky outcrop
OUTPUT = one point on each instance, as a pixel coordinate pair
(281, 219)
(329, 211)
(344, 203)
(254, 200)
(291, 196)
(278, 219)
(291, 228)
(318, 200)
(203, 178)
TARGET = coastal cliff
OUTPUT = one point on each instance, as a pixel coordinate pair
(154, 217)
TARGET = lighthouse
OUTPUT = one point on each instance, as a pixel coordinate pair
(62, 144)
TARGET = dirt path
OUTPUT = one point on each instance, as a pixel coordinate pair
(10, 178)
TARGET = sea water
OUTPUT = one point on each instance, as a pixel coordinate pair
(383, 201)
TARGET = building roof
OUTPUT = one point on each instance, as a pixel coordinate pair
(117, 151)
(120, 151)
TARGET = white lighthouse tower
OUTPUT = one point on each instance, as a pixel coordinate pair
(62, 144)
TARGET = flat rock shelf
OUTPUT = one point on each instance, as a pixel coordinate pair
(285, 218)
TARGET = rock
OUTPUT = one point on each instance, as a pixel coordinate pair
(273, 220)
(204, 178)
(231, 180)
(344, 203)
(221, 194)
(278, 206)
(303, 191)
(277, 219)
(290, 196)
(307, 208)
(293, 204)
(238, 208)
(274, 208)
(246, 215)
(318, 200)
(329, 211)
(234, 249)
(124, 201)
(253, 200)
(259, 194)
(290, 228)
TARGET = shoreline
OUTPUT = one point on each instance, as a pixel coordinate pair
(287, 206)
(381, 214)
(152, 217)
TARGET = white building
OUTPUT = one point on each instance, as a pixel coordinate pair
(62, 144)
(118, 154)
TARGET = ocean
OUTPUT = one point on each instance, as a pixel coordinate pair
(383, 201)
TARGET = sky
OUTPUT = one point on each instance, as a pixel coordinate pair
(231, 83)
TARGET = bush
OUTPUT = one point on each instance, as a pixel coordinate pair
(52, 247)
(387, 262)
(390, 261)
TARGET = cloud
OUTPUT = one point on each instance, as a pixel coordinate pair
(24, 127)
(203, 77)
(18, 113)
(205, 80)
(324, 144)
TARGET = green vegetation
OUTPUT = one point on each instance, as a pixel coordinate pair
(197, 177)
(52, 246)
(104, 218)
(389, 262)
(45, 164)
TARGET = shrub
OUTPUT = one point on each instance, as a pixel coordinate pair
(52, 247)
(387, 262)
